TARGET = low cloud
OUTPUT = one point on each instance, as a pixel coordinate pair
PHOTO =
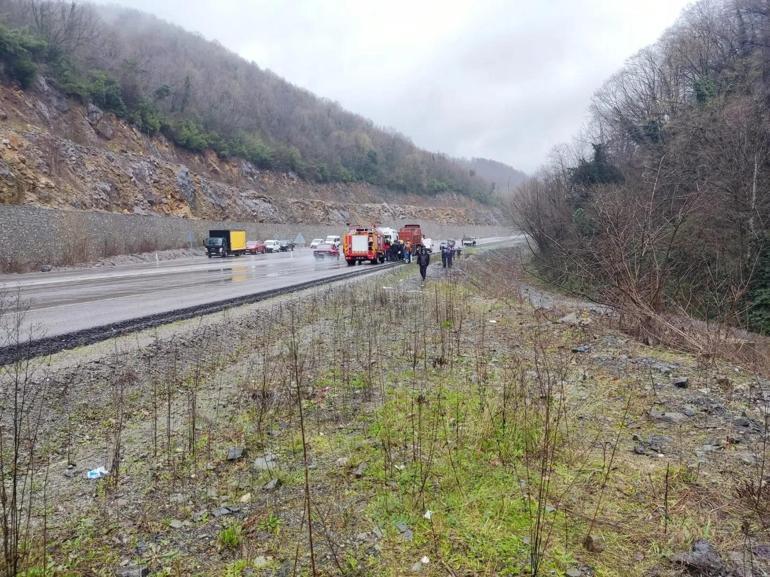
(498, 79)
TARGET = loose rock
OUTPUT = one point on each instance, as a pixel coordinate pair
(406, 533)
(681, 382)
(672, 417)
(703, 560)
(272, 485)
(134, 572)
(359, 471)
(265, 462)
(235, 453)
(593, 543)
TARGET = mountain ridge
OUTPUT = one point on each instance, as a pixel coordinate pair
(202, 96)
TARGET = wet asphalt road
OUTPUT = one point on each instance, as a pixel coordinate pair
(64, 302)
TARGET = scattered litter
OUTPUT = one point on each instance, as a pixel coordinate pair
(97, 473)
(425, 560)
(428, 514)
(493, 321)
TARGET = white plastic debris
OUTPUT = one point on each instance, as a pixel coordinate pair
(97, 473)
(428, 514)
(425, 560)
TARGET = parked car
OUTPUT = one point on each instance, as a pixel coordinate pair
(256, 247)
(326, 250)
(333, 239)
(286, 245)
(469, 241)
(315, 242)
(272, 246)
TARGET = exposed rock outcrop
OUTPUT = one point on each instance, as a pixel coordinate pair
(56, 153)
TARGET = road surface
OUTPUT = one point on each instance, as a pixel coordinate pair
(65, 302)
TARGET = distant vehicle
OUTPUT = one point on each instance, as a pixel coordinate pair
(326, 250)
(223, 243)
(362, 243)
(469, 241)
(333, 239)
(315, 242)
(256, 247)
(272, 246)
(412, 234)
(286, 245)
(389, 234)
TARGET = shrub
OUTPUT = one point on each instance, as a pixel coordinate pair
(230, 536)
(19, 52)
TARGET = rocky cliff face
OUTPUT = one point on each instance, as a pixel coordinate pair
(57, 153)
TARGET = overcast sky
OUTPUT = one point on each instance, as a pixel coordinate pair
(501, 79)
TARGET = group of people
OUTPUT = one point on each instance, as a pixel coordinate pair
(403, 251)
(448, 252)
(398, 251)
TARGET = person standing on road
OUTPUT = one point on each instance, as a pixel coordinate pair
(407, 252)
(444, 255)
(423, 260)
(450, 253)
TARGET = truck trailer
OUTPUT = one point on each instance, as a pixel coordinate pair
(223, 243)
(412, 234)
(363, 244)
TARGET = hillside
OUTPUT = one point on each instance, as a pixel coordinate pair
(669, 210)
(58, 153)
(198, 95)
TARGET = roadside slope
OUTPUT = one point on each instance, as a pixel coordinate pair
(57, 153)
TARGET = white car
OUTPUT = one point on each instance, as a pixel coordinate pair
(315, 242)
(332, 239)
(272, 246)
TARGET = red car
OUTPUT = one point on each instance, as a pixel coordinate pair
(255, 247)
(325, 249)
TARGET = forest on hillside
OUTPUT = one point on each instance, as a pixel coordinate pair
(669, 209)
(202, 96)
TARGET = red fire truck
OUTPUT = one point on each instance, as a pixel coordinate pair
(363, 243)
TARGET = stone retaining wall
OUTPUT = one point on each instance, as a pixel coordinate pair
(31, 236)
